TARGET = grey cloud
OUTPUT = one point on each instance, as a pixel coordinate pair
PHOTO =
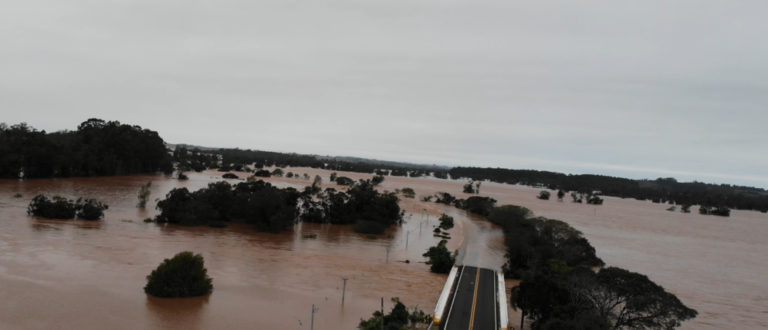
(637, 89)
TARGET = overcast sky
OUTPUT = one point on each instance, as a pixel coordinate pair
(639, 89)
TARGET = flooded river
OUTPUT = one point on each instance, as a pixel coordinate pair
(89, 275)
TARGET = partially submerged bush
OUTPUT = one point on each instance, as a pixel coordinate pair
(408, 192)
(184, 275)
(229, 176)
(90, 209)
(61, 208)
(446, 222)
(544, 195)
(440, 258)
(55, 208)
(722, 211)
(344, 181)
(17, 196)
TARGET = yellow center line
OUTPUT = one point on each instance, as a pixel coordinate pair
(474, 302)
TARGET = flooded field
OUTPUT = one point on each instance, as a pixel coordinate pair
(89, 275)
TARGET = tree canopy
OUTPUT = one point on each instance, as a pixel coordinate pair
(182, 276)
(96, 148)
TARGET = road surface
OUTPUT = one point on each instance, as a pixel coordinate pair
(473, 303)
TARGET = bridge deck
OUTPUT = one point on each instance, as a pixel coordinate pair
(473, 304)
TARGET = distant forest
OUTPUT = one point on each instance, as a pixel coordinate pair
(237, 158)
(661, 190)
(102, 148)
(96, 148)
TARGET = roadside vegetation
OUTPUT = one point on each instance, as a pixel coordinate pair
(399, 318)
(440, 259)
(560, 288)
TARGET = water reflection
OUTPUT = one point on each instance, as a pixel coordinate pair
(177, 313)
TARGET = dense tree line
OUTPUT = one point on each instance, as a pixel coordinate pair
(61, 208)
(272, 209)
(257, 203)
(662, 190)
(369, 210)
(96, 148)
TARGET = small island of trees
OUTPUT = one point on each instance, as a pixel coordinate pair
(182, 276)
(61, 208)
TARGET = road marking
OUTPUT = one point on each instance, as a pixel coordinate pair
(474, 301)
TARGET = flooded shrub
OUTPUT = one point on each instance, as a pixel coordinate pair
(289, 175)
(61, 208)
(595, 200)
(182, 176)
(56, 208)
(182, 276)
(310, 236)
(469, 188)
(544, 195)
(344, 181)
(377, 180)
(90, 209)
(263, 173)
(408, 192)
(230, 176)
(17, 196)
(333, 177)
(144, 193)
(277, 172)
(440, 259)
(715, 210)
(446, 222)
(369, 227)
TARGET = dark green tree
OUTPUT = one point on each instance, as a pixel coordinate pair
(440, 259)
(182, 276)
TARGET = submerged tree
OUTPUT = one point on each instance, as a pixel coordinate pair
(144, 193)
(408, 192)
(318, 180)
(544, 195)
(182, 276)
(377, 180)
(469, 188)
(62, 208)
(440, 259)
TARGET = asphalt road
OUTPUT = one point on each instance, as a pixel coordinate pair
(473, 305)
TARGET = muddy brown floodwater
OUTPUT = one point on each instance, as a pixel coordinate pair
(89, 275)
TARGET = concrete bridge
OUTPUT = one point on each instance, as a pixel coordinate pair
(473, 299)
